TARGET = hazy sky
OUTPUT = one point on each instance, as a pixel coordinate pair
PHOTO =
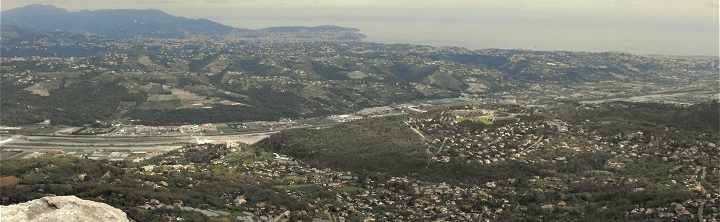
(684, 27)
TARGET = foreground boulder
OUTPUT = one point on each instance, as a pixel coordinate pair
(61, 208)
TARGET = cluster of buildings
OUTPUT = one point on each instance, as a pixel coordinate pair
(448, 140)
(330, 194)
(555, 142)
(141, 130)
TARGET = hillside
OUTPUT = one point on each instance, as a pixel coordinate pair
(158, 82)
(115, 23)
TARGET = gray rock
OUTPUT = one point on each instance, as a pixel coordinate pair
(61, 209)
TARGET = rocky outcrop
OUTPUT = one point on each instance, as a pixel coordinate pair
(61, 209)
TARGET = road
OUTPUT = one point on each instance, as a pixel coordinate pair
(38, 142)
(139, 143)
(8, 139)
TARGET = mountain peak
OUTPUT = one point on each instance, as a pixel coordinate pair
(113, 23)
(38, 8)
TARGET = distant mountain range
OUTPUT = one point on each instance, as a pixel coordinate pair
(115, 23)
(128, 23)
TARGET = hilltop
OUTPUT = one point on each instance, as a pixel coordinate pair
(114, 23)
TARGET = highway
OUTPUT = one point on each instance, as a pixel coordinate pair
(144, 143)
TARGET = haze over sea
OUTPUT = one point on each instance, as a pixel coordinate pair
(482, 34)
(670, 27)
(502, 29)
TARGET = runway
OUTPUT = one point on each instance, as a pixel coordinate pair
(113, 148)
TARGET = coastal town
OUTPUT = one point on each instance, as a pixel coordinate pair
(186, 119)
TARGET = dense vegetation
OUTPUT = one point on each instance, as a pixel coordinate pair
(21, 107)
(382, 147)
(699, 117)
